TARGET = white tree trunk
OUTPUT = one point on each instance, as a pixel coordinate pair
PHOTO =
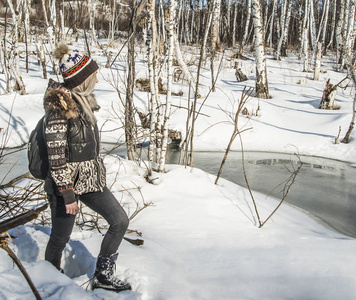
(283, 16)
(270, 36)
(351, 27)
(180, 19)
(152, 46)
(261, 67)
(339, 30)
(234, 24)
(167, 112)
(50, 32)
(333, 26)
(214, 39)
(26, 6)
(215, 24)
(317, 62)
(248, 18)
(18, 79)
(284, 26)
(41, 54)
(313, 28)
(192, 23)
(91, 7)
(111, 34)
(305, 38)
(15, 41)
(351, 69)
(4, 64)
(323, 23)
(54, 20)
(163, 32)
(182, 63)
(229, 17)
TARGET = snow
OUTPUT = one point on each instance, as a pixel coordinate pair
(201, 240)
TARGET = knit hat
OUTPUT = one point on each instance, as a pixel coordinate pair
(74, 65)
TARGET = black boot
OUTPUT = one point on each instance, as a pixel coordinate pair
(104, 275)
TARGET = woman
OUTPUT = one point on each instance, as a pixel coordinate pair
(76, 171)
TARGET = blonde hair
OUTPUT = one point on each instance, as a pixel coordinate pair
(84, 95)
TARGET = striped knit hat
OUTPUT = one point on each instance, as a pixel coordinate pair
(74, 65)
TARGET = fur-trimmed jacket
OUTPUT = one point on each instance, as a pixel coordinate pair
(73, 147)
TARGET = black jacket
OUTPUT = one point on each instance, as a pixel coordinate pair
(73, 147)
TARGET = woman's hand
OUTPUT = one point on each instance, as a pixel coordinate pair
(72, 209)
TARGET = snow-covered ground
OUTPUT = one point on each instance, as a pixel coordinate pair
(201, 241)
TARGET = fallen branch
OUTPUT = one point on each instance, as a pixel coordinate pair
(21, 219)
(137, 242)
(11, 182)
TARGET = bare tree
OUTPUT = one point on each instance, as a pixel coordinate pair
(234, 119)
(129, 106)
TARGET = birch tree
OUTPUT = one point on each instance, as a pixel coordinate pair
(151, 43)
(350, 35)
(352, 70)
(339, 30)
(270, 35)
(305, 38)
(4, 64)
(51, 30)
(323, 23)
(261, 66)
(15, 35)
(129, 107)
(234, 24)
(167, 111)
(333, 26)
(214, 39)
(13, 55)
(26, 6)
(182, 63)
(247, 24)
(284, 26)
(91, 7)
(312, 27)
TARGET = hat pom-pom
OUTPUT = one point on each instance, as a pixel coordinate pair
(60, 51)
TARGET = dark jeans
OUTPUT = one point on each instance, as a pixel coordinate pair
(105, 204)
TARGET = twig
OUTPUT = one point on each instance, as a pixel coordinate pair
(247, 183)
(286, 189)
(20, 266)
(244, 97)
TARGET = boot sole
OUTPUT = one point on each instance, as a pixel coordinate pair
(98, 285)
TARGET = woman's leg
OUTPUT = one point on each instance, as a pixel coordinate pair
(105, 204)
(62, 225)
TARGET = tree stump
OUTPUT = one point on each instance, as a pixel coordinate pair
(328, 99)
(240, 76)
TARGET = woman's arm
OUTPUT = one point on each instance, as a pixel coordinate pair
(56, 136)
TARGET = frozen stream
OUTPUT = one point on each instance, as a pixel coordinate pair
(326, 188)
